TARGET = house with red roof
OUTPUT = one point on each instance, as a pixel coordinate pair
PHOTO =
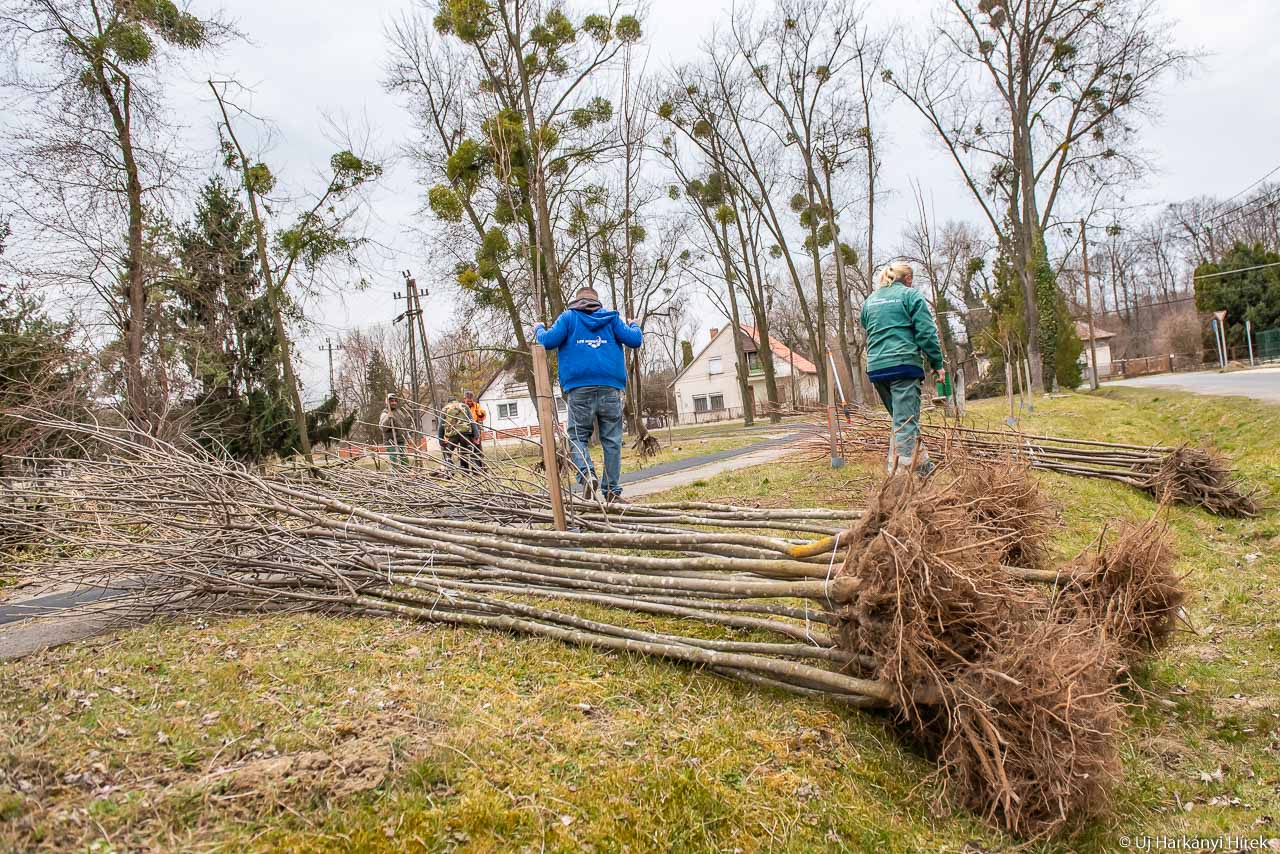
(707, 388)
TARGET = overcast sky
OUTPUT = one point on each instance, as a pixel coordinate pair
(306, 60)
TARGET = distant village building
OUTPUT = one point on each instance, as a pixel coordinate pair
(1102, 348)
(708, 390)
(511, 411)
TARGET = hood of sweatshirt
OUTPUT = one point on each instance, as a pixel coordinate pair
(596, 320)
(584, 304)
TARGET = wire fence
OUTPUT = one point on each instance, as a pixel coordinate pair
(1268, 345)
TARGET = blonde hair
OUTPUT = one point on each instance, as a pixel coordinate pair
(894, 273)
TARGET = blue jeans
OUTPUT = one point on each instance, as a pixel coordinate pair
(590, 406)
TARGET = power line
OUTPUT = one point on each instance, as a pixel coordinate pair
(1267, 199)
(1241, 270)
(1229, 199)
(1261, 201)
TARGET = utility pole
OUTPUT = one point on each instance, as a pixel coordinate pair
(328, 345)
(408, 316)
(411, 288)
(1088, 299)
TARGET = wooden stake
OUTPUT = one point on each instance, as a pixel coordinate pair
(1088, 299)
(1031, 400)
(836, 460)
(1008, 390)
(547, 428)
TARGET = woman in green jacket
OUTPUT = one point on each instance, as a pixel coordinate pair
(902, 341)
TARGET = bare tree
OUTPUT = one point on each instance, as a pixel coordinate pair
(1033, 99)
(90, 155)
(319, 235)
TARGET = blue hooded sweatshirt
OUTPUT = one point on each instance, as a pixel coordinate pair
(590, 341)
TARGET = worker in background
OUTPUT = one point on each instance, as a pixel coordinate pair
(459, 436)
(478, 415)
(397, 429)
(902, 340)
(593, 375)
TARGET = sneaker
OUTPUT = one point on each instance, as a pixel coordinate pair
(615, 498)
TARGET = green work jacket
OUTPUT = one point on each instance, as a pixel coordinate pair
(899, 329)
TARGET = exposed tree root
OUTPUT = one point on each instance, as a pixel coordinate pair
(1130, 589)
(1024, 730)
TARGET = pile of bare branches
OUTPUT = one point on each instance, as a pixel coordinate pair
(915, 605)
(1186, 474)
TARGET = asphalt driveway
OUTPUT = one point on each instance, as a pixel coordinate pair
(1257, 383)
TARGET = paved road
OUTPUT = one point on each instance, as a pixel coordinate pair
(54, 602)
(1258, 383)
(26, 638)
(707, 459)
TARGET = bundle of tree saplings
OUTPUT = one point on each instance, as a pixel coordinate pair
(1186, 474)
(1024, 729)
(936, 603)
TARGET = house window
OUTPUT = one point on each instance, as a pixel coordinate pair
(753, 361)
(562, 404)
(509, 410)
(708, 402)
(715, 365)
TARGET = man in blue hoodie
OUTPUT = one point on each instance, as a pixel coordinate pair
(593, 374)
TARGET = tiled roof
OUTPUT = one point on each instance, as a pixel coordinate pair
(783, 352)
(1082, 330)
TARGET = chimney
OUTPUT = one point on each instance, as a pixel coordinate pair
(715, 330)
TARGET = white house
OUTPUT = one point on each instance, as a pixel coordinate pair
(707, 388)
(1101, 348)
(512, 412)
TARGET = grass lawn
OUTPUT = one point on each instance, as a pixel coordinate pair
(303, 733)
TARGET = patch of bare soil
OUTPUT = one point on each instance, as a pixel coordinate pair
(58, 808)
(1240, 706)
(346, 769)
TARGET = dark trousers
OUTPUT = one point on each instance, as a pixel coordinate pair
(461, 448)
(902, 398)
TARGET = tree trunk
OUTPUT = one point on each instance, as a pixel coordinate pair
(820, 300)
(744, 382)
(759, 310)
(550, 269)
(1025, 239)
(274, 296)
(843, 303)
(136, 403)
